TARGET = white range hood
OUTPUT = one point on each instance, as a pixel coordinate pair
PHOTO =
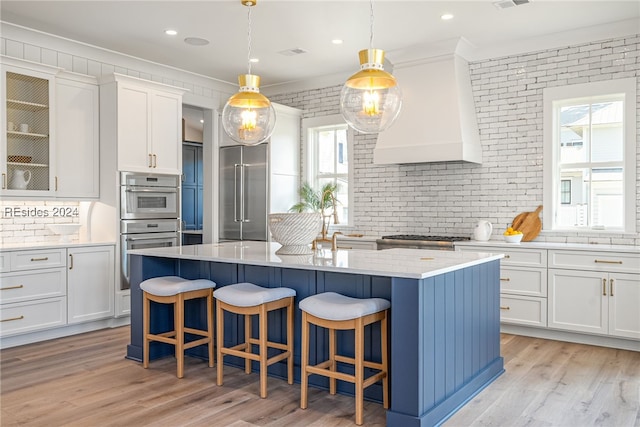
(437, 122)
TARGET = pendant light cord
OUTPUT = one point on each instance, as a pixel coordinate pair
(249, 40)
(371, 25)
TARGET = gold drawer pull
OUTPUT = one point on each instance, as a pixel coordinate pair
(12, 287)
(505, 308)
(12, 318)
(345, 247)
(505, 279)
(604, 261)
(604, 287)
(507, 256)
(40, 259)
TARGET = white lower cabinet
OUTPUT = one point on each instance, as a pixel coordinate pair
(604, 301)
(33, 294)
(523, 285)
(90, 283)
(51, 288)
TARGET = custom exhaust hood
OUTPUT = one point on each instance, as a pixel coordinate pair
(437, 122)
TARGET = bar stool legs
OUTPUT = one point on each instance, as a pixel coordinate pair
(248, 299)
(175, 290)
(355, 314)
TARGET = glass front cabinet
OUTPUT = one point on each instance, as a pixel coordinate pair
(26, 148)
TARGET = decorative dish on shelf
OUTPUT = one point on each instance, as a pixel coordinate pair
(19, 159)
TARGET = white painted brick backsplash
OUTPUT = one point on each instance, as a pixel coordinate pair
(32, 229)
(434, 198)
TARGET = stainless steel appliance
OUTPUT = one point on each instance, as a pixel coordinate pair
(149, 215)
(142, 234)
(412, 241)
(243, 192)
(149, 196)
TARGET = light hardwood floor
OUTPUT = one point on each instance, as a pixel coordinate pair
(84, 380)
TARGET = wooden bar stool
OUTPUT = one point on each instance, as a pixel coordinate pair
(248, 299)
(338, 312)
(176, 290)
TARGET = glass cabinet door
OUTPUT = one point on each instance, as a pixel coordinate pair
(26, 150)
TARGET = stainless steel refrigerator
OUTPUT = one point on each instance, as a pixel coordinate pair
(244, 192)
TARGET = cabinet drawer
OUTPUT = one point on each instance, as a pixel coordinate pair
(529, 311)
(33, 285)
(514, 256)
(4, 262)
(25, 317)
(30, 260)
(595, 261)
(523, 281)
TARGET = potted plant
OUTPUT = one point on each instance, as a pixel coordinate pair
(319, 201)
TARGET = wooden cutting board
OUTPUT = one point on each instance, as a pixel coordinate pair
(529, 223)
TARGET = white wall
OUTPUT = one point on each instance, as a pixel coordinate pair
(449, 197)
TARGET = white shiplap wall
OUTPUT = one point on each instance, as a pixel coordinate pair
(449, 197)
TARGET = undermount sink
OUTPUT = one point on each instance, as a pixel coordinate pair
(64, 230)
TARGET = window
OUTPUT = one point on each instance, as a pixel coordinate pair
(589, 156)
(328, 159)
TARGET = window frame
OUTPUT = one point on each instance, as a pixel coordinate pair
(588, 92)
(310, 125)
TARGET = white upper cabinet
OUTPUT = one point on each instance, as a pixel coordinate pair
(144, 120)
(77, 137)
(50, 143)
(27, 148)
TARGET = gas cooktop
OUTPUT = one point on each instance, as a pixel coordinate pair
(417, 237)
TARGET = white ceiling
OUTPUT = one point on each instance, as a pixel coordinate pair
(136, 28)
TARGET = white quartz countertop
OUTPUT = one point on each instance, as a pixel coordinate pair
(550, 245)
(50, 245)
(405, 263)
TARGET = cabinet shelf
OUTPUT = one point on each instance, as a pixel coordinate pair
(27, 106)
(26, 135)
(31, 165)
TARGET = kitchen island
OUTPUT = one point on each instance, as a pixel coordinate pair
(445, 321)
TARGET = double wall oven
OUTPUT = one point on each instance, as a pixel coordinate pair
(149, 214)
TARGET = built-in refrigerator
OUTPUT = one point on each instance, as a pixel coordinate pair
(244, 192)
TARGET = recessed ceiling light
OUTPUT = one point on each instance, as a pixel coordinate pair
(336, 41)
(201, 120)
(446, 16)
(196, 41)
(254, 60)
(170, 32)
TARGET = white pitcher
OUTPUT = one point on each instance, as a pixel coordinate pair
(20, 179)
(483, 231)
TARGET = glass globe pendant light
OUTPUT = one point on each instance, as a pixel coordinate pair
(248, 116)
(371, 99)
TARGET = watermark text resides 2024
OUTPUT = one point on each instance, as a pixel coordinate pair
(40, 212)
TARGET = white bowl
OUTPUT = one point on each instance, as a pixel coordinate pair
(64, 230)
(295, 231)
(515, 238)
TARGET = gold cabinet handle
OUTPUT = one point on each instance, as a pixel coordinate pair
(507, 256)
(12, 287)
(150, 161)
(40, 259)
(55, 180)
(610, 287)
(505, 307)
(345, 247)
(604, 287)
(505, 279)
(155, 161)
(4, 180)
(12, 318)
(70, 261)
(604, 261)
